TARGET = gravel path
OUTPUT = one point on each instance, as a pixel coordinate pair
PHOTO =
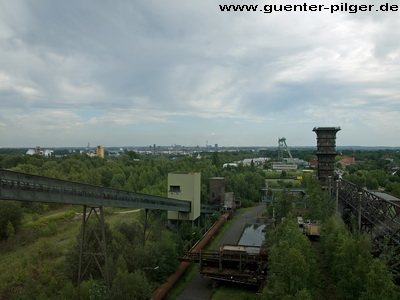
(199, 287)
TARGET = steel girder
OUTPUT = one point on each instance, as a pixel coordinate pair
(381, 215)
(210, 209)
(27, 187)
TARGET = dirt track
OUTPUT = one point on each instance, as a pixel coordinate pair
(200, 288)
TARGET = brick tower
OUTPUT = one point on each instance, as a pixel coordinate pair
(326, 152)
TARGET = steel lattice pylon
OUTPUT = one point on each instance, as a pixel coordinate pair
(89, 234)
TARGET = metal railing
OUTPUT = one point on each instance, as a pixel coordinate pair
(27, 187)
(381, 214)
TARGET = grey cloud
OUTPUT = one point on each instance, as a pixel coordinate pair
(164, 60)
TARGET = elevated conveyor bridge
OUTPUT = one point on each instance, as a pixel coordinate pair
(26, 187)
(377, 213)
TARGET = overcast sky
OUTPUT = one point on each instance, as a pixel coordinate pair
(132, 73)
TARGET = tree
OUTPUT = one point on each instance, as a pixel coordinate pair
(133, 155)
(389, 254)
(10, 217)
(133, 286)
(215, 159)
(356, 273)
(118, 181)
(92, 259)
(292, 266)
(378, 283)
(283, 204)
(352, 261)
(320, 205)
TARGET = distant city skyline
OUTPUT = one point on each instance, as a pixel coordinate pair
(203, 147)
(141, 73)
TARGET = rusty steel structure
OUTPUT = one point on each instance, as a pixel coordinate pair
(376, 214)
(232, 263)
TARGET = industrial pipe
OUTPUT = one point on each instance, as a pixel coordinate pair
(163, 289)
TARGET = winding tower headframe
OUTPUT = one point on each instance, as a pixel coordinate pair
(326, 152)
(282, 146)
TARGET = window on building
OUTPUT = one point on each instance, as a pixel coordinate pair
(174, 189)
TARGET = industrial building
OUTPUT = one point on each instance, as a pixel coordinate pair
(217, 190)
(40, 151)
(326, 152)
(217, 195)
(283, 167)
(100, 151)
(185, 186)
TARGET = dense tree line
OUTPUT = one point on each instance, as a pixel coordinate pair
(136, 268)
(134, 254)
(344, 266)
(356, 273)
(374, 179)
(375, 170)
(292, 270)
(10, 218)
(132, 172)
(143, 174)
(139, 260)
(320, 205)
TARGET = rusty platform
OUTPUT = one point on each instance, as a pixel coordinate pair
(241, 264)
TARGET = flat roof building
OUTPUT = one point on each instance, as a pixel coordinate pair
(100, 151)
(185, 186)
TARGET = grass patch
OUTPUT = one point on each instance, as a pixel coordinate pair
(179, 287)
(119, 216)
(233, 292)
(33, 266)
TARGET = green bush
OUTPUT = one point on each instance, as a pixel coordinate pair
(356, 273)
(134, 286)
(10, 217)
(292, 269)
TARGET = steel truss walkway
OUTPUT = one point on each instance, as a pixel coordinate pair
(377, 215)
(26, 187)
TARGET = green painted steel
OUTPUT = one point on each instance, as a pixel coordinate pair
(209, 209)
(27, 187)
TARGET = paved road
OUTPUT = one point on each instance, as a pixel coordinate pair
(234, 232)
(199, 287)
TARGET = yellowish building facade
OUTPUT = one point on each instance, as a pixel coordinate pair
(185, 186)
